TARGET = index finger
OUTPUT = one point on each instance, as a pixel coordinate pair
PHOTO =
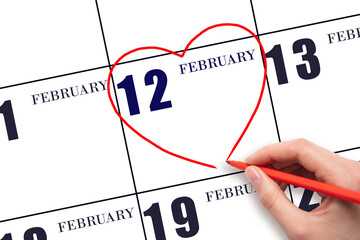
(315, 159)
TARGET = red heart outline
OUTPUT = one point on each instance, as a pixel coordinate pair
(181, 56)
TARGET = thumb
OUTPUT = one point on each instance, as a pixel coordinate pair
(274, 199)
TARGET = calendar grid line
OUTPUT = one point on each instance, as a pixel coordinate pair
(52, 77)
(122, 63)
(309, 24)
(189, 49)
(66, 208)
(160, 55)
(348, 149)
(273, 109)
(119, 197)
(121, 123)
(267, 81)
(139, 193)
(190, 182)
(270, 95)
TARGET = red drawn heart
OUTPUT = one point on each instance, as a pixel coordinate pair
(181, 56)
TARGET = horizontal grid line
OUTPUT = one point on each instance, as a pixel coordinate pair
(141, 192)
(190, 49)
(160, 55)
(65, 208)
(186, 183)
(121, 63)
(56, 76)
(118, 197)
(348, 149)
(309, 25)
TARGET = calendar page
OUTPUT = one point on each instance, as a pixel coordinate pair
(117, 116)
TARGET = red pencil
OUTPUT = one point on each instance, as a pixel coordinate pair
(313, 185)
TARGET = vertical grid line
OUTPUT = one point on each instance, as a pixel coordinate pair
(121, 122)
(268, 85)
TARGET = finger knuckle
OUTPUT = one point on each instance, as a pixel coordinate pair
(300, 146)
(301, 143)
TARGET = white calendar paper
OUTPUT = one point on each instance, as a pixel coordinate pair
(71, 169)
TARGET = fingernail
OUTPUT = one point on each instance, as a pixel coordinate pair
(253, 176)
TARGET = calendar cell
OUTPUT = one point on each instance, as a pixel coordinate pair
(309, 102)
(186, 210)
(68, 146)
(156, 29)
(199, 122)
(63, 38)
